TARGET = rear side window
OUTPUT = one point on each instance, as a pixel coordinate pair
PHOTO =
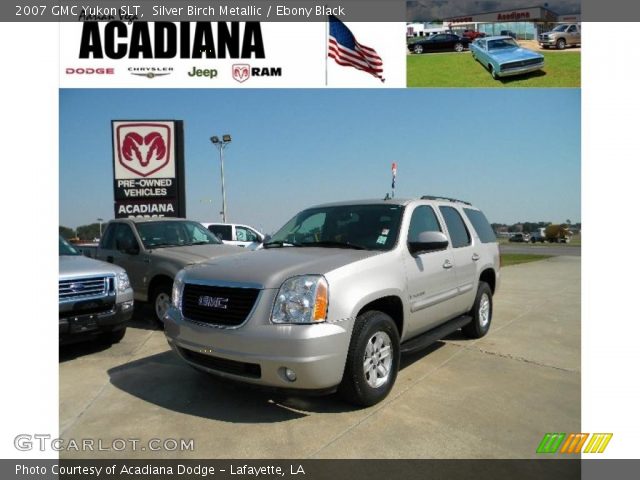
(481, 225)
(457, 229)
(223, 232)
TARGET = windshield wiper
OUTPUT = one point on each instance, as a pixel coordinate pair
(202, 242)
(332, 244)
(280, 243)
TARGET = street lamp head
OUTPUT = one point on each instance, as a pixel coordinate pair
(215, 140)
(226, 138)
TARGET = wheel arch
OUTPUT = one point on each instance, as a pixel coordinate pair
(391, 305)
(158, 279)
(488, 275)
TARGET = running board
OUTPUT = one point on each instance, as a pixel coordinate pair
(425, 339)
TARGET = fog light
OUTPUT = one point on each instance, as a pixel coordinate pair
(290, 374)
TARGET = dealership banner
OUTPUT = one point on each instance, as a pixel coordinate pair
(148, 168)
(121, 54)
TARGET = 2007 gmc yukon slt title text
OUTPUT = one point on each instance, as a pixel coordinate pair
(336, 294)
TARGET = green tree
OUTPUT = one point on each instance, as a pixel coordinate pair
(66, 232)
(89, 232)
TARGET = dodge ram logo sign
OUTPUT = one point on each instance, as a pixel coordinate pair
(241, 72)
(148, 168)
(143, 148)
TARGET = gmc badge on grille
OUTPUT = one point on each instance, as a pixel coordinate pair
(213, 302)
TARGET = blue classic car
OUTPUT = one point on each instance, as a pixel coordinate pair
(503, 57)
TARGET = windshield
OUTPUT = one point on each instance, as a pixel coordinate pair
(175, 233)
(502, 43)
(560, 28)
(65, 248)
(369, 227)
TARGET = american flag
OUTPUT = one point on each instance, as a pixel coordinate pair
(394, 171)
(346, 51)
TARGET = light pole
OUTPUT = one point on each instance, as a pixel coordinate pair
(221, 145)
(100, 220)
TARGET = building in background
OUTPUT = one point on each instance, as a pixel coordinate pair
(523, 23)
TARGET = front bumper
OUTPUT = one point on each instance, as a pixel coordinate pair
(547, 42)
(521, 70)
(259, 352)
(78, 327)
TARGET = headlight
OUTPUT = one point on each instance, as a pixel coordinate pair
(123, 282)
(176, 291)
(302, 299)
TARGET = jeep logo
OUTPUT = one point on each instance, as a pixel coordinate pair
(212, 302)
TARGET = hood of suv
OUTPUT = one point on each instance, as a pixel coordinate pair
(188, 255)
(270, 267)
(80, 266)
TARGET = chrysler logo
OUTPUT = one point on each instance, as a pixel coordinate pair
(212, 302)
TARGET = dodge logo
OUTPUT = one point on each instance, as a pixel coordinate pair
(143, 148)
(213, 302)
(241, 72)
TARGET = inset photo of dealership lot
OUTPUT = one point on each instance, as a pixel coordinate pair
(530, 47)
(302, 274)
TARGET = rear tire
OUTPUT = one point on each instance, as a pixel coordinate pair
(372, 360)
(481, 313)
(458, 47)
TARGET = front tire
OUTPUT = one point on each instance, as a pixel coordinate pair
(160, 300)
(372, 360)
(561, 44)
(418, 49)
(481, 313)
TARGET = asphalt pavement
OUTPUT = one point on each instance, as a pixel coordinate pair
(489, 398)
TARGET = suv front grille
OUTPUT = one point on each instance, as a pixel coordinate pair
(227, 306)
(78, 289)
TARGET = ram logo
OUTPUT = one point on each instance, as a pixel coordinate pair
(213, 302)
(143, 148)
(241, 72)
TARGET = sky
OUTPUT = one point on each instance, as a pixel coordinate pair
(515, 153)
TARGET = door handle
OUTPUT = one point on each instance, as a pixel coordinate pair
(110, 259)
(447, 264)
(475, 257)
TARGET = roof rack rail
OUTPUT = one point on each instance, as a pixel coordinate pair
(438, 197)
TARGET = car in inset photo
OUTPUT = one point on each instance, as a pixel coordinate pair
(563, 35)
(442, 42)
(503, 57)
(520, 238)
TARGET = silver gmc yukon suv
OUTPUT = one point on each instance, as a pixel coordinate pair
(337, 294)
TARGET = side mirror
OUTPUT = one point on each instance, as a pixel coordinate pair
(429, 242)
(265, 239)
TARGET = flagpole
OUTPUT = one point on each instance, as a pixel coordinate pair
(326, 54)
